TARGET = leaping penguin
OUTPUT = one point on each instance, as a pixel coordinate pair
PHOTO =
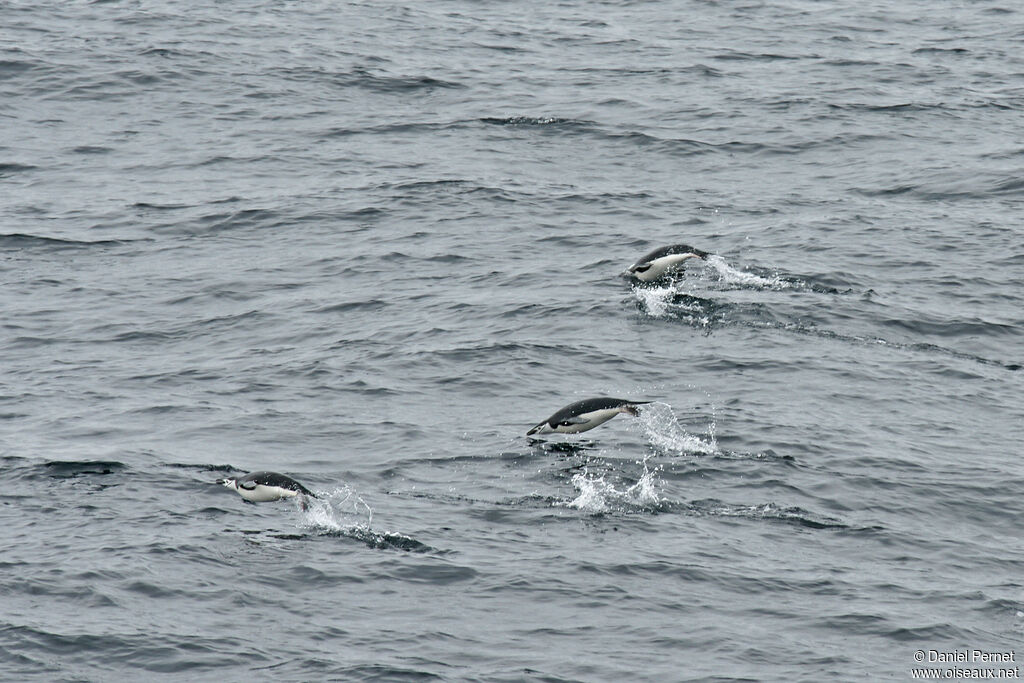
(263, 487)
(661, 261)
(586, 414)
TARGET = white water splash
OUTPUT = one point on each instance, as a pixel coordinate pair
(661, 302)
(732, 276)
(337, 511)
(655, 300)
(661, 428)
(598, 496)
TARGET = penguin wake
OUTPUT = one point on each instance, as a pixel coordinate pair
(597, 495)
(343, 512)
(745, 279)
(662, 430)
(337, 511)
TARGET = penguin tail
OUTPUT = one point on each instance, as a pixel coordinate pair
(632, 409)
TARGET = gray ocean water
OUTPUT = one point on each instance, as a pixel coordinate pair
(369, 245)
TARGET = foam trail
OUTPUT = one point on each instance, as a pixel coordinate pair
(598, 496)
(732, 276)
(661, 428)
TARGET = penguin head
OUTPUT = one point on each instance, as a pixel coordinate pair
(229, 483)
(542, 428)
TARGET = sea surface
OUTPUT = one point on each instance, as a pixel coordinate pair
(370, 244)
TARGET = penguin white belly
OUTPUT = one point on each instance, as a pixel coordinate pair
(591, 420)
(660, 266)
(265, 494)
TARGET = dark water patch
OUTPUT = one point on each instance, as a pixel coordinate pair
(410, 128)
(538, 121)
(153, 591)
(467, 190)
(226, 469)
(535, 501)
(145, 336)
(666, 72)
(767, 455)
(544, 447)
(230, 291)
(680, 147)
(898, 108)
(366, 80)
(186, 330)
(684, 147)
(217, 222)
(358, 386)
(737, 56)
(166, 53)
(951, 328)
(9, 169)
(27, 342)
(9, 68)
(508, 49)
(55, 585)
(1013, 185)
(943, 632)
(689, 573)
(941, 50)
(160, 207)
(375, 540)
(402, 84)
(375, 672)
(610, 198)
(178, 378)
(385, 540)
(709, 315)
(177, 655)
(23, 241)
(171, 409)
(816, 284)
(70, 469)
(921, 347)
(568, 241)
(768, 512)
(858, 624)
(99, 89)
(91, 149)
(951, 189)
(458, 185)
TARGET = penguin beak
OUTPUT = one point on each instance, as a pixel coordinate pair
(542, 428)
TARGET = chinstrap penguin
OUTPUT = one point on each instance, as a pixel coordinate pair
(263, 487)
(660, 262)
(584, 415)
